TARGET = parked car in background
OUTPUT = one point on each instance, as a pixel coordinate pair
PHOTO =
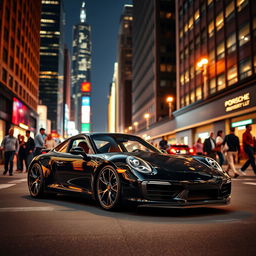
(179, 149)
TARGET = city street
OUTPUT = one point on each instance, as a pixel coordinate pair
(76, 226)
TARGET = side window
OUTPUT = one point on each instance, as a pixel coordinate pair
(82, 143)
(62, 147)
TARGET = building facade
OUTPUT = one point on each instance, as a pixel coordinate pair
(154, 59)
(220, 92)
(81, 74)
(51, 62)
(124, 57)
(19, 65)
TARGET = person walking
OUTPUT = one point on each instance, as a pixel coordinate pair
(30, 145)
(21, 154)
(10, 145)
(18, 157)
(199, 147)
(39, 142)
(49, 142)
(209, 146)
(248, 149)
(219, 143)
(163, 143)
(233, 144)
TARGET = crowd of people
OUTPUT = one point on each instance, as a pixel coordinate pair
(226, 148)
(24, 149)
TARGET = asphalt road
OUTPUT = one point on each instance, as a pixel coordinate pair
(76, 226)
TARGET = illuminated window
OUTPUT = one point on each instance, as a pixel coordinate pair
(211, 29)
(196, 16)
(48, 21)
(186, 28)
(241, 4)
(198, 93)
(245, 68)
(220, 51)
(187, 99)
(221, 84)
(192, 96)
(230, 10)
(231, 43)
(219, 21)
(232, 75)
(186, 76)
(182, 79)
(50, 2)
(190, 23)
(163, 68)
(192, 70)
(212, 55)
(210, 2)
(244, 35)
(212, 85)
(181, 33)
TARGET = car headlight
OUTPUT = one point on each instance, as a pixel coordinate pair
(138, 164)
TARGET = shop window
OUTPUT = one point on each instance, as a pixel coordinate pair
(245, 68)
(231, 43)
(212, 85)
(244, 35)
(241, 4)
(211, 29)
(219, 21)
(230, 10)
(220, 51)
(232, 75)
(4, 75)
(221, 84)
(198, 93)
(192, 97)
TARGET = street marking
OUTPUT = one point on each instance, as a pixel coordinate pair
(17, 181)
(250, 183)
(27, 209)
(2, 186)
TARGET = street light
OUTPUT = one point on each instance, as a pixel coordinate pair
(130, 128)
(202, 64)
(146, 116)
(135, 126)
(169, 100)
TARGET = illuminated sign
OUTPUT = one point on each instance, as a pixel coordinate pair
(85, 128)
(242, 123)
(86, 87)
(20, 114)
(86, 101)
(85, 114)
(237, 102)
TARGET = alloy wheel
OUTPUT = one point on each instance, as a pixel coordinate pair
(35, 180)
(108, 188)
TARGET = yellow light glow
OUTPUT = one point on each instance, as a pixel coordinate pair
(135, 123)
(202, 62)
(169, 99)
(146, 115)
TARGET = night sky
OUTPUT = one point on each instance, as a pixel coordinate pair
(103, 16)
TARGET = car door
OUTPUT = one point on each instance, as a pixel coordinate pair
(73, 172)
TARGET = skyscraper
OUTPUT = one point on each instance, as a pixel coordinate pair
(154, 60)
(51, 61)
(81, 74)
(124, 99)
(19, 65)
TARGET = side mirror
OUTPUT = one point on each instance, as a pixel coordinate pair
(79, 151)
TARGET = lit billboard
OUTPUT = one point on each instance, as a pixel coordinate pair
(20, 113)
(86, 87)
(85, 113)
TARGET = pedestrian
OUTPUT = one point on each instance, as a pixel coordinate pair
(39, 142)
(18, 158)
(21, 157)
(49, 142)
(209, 146)
(248, 149)
(30, 145)
(199, 147)
(233, 148)
(163, 144)
(219, 143)
(10, 145)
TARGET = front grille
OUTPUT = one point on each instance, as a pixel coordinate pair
(163, 192)
(203, 194)
(226, 189)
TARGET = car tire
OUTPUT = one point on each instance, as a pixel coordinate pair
(36, 181)
(108, 188)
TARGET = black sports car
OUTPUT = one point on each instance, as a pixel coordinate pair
(115, 169)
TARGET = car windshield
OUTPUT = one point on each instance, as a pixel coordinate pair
(107, 143)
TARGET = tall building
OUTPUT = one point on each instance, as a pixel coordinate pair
(154, 60)
(216, 66)
(66, 92)
(81, 74)
(19, 65)
(51, 61)
(125, 70)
